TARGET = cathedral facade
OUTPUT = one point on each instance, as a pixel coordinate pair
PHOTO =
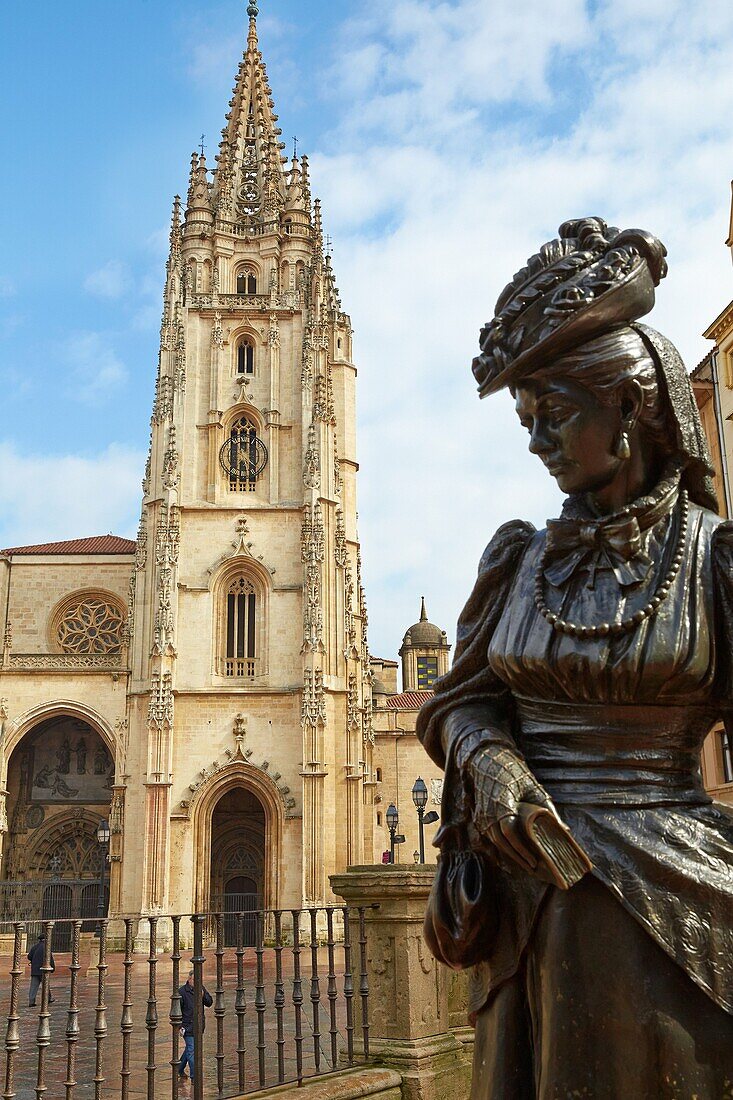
(207, 687)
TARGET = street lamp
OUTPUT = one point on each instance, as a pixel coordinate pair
(420, 798)
(103, 835)
(393, 819)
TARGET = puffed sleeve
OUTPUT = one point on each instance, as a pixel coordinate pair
(470, 697)
(722, 552)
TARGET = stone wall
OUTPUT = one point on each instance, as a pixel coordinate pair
(418, 1025)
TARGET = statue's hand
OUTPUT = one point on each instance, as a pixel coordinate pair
(498, 781)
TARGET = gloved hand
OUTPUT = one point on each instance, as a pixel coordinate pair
(497, 781)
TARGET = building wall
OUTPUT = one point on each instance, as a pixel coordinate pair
(713, 386)
(399, 759)
(40, 682)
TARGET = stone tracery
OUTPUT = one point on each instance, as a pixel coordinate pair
(91, 625)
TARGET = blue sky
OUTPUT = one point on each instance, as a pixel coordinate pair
(448, 139)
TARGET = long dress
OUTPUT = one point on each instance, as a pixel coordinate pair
(623, 985)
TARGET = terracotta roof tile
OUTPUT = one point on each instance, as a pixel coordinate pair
(408, 700)
(97, 544)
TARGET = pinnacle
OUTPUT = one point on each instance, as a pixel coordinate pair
(423, 612)
(175, 233)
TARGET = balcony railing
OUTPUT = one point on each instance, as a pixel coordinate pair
(290, 1000)
(63, 662)
(240, 667)
(289, 299)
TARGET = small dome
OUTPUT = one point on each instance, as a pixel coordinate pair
(424, 633)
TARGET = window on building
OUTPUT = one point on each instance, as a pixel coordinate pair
(247, 281)
(427, 672)
(288, 225)
(726, 745)
(379, 775)
(245, 357)
(240, 657)
(90, 625)
(243, 456)
(379, 818)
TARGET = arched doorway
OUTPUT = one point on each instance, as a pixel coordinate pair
(237, 860)
(60, 778)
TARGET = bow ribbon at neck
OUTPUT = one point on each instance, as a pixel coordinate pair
(596, 544)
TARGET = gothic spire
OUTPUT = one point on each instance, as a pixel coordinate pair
(249, 185)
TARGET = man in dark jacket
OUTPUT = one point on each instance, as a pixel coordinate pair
(35, 957)
(188, 1014)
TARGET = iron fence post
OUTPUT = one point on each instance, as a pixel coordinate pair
(198, 960)
(12, 1035)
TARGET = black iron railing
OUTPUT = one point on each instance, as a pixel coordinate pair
(291, 1004)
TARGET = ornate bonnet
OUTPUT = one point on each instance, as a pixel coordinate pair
(589, 281)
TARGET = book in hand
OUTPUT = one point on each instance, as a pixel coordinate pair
(561, 860)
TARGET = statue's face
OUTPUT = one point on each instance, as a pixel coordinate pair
(571, 431)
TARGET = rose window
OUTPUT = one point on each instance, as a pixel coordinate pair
(91, 626)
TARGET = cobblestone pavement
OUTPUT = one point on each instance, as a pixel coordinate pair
(56, 1053)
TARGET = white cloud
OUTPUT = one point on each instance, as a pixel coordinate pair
(72, 497)
(111, 281)
(437, 194)
(423, 66)
(95, 370)
(212, 56)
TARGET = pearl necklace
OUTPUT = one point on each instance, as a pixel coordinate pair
(578, 630)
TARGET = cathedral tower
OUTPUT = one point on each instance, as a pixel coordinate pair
(425, 654)
(249, 740)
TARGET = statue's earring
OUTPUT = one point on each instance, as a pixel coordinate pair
(622, 449)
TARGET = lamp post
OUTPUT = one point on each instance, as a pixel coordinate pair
(103, 835)
(393, 819)
(420, 798)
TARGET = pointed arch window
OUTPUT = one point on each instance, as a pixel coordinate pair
(243, 456)
(245, 356)
(247, 281)
(241, 617)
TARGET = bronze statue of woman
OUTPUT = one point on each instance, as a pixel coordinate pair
(592, 659)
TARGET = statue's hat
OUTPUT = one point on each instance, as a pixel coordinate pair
(590, 279)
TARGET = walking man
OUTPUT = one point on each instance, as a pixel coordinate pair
(35, 957)
(188, 1013)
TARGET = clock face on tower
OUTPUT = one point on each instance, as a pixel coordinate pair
(243, 456)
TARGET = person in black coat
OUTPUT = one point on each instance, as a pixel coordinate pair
(35, 957)
(187, 1023)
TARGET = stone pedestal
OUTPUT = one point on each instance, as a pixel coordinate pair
(7, 944)
(409, 1015)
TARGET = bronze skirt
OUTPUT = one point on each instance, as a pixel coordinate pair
(598, 1011)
